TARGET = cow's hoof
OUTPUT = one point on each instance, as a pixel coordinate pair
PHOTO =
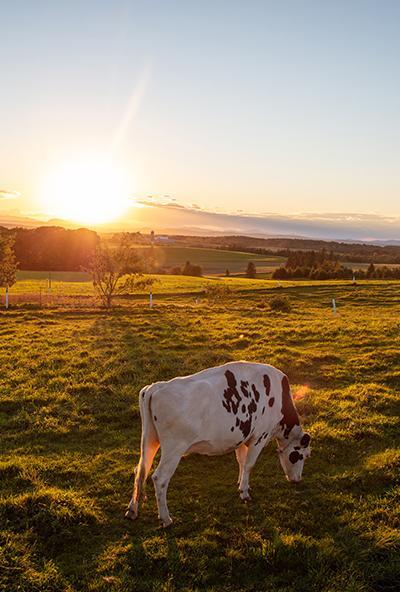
(166, 523)
(130, 515)
(245, 498)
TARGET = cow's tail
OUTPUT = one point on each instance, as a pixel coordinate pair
(148, 447)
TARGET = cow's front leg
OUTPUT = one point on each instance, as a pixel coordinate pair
(241, 454)
(161, 478)
(252, 455)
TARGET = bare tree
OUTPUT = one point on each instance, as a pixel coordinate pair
(119, 270)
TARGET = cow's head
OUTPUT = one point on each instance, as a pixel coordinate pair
(292, 454)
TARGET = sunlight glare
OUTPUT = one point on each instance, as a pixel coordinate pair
(86, 192)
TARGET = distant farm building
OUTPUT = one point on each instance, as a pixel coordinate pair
(163, 239)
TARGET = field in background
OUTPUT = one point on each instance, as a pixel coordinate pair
(71, 284)
(214, 261)
(70, 435)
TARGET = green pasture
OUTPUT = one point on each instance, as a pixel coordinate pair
(70, 437)
(214, 261)
(79, 284)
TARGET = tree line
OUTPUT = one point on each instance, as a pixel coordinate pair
(324, 265)
(52, 248)
(316, 265)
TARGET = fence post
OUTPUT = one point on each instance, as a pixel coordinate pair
(6, 297)
(334, 305)
(151, 299)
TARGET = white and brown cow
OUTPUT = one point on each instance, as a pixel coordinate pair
(239, 406)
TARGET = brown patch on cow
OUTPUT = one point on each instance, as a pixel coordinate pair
(265, 435)
(239, 443)
(294, 456)
(267, 384)
(289, 413)
(259, 440)
(245, 427)
(271, 401)
(244, 387)
(231, 395)
(256, 393)
(155, 418)
(232, 428)
(252, 407)
(305, 440)
(263, 409)
(232, 400)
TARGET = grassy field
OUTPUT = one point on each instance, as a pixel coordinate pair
(78, 283)
(70, 432)
(214, 261)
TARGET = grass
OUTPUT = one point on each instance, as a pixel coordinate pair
(70, 434)
(214, 261)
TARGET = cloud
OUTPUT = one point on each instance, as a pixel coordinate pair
(4, 194)
(336, 226)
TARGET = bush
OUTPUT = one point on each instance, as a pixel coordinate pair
(215, 292)
(251, 270)
(190, 269)
(280, 304)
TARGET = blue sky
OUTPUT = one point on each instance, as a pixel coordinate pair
(285, 107)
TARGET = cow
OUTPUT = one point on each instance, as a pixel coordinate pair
(239, 406)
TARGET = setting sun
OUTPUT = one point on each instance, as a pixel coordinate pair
(86, 192)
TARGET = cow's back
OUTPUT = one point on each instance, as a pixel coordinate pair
(222, 407)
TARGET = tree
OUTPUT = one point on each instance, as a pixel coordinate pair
(280, 273)
(371, 270)
(8, 262)
(119, 270)
(190, 269)
(53, 248)
(251, 270)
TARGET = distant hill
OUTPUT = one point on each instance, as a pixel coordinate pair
(280, 246)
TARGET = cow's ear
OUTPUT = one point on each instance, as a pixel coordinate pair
(305, 440)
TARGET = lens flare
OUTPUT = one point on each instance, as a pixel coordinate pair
(86, 192)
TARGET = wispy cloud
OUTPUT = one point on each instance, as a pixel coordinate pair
(339, 226)
(5, 194)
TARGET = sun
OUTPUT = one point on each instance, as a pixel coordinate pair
(86, 192)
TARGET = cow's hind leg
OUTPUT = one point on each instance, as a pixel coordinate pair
(241, 454)
(161, 478)
(149, 450)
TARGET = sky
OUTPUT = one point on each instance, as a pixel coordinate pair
(229, 107)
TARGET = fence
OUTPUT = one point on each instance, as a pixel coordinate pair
(46, 300)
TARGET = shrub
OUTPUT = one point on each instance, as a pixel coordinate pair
(280, 304)
(190, 269)
(251, 270)
(215, 292)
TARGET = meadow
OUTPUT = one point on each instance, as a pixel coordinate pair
(214, 261)
(70, 436)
